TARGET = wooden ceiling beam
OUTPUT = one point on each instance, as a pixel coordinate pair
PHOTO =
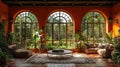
(59, 2)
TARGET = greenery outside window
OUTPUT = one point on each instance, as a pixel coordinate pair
(93, 27)
(59, 30)
(25, 25)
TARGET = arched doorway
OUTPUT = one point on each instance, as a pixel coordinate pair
(59, 30)
(93, 27)
(25, 25)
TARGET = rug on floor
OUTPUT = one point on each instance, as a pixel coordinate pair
(38, 59)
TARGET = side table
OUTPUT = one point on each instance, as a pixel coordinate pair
(64, 54)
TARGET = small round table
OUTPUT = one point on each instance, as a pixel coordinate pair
(61, 54)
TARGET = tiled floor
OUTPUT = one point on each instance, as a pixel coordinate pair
(100, 62)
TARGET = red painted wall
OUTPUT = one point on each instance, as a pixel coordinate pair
(76, 13)
(4, 14)
(116, 21)
(3, 11)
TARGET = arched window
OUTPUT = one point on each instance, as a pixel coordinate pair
(59, 29)
(25, 25)
(93, 27)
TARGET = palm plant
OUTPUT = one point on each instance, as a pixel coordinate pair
(116, 52)
(108, 37)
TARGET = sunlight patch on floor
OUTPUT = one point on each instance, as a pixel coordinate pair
(79, 55)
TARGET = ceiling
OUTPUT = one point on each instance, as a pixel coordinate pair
(11, 3)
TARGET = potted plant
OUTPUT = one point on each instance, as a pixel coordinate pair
(108, 37)
(116, 51)
(11, 38)
(37, 39)
(4, 52)
(4, 57)
(79, 41)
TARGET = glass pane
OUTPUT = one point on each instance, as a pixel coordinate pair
(49, 31)
(56, 20)
(56, 42)
(49, 42)
(25, 26)
(59, 28)
(62, 20)
(102, 30)
(17, 30)
(63, 31)
(56, 32)
(94, 29)
(70, 32)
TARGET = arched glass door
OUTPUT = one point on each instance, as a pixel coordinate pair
(59, 29)
(25, 25)
(93, 27)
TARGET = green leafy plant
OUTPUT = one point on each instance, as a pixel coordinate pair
(4, 56)
(108, 37)
(4, 52)
(37, 39)
(11, 38)
(116, 51)
(79, 39)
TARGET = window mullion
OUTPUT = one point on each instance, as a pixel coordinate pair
(59, 28)
(87, 31)
(66, 34)
(52, 33)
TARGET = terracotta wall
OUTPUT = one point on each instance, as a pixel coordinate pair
(4, 14)
(76, 13)
(3, 11)
(116, 19)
